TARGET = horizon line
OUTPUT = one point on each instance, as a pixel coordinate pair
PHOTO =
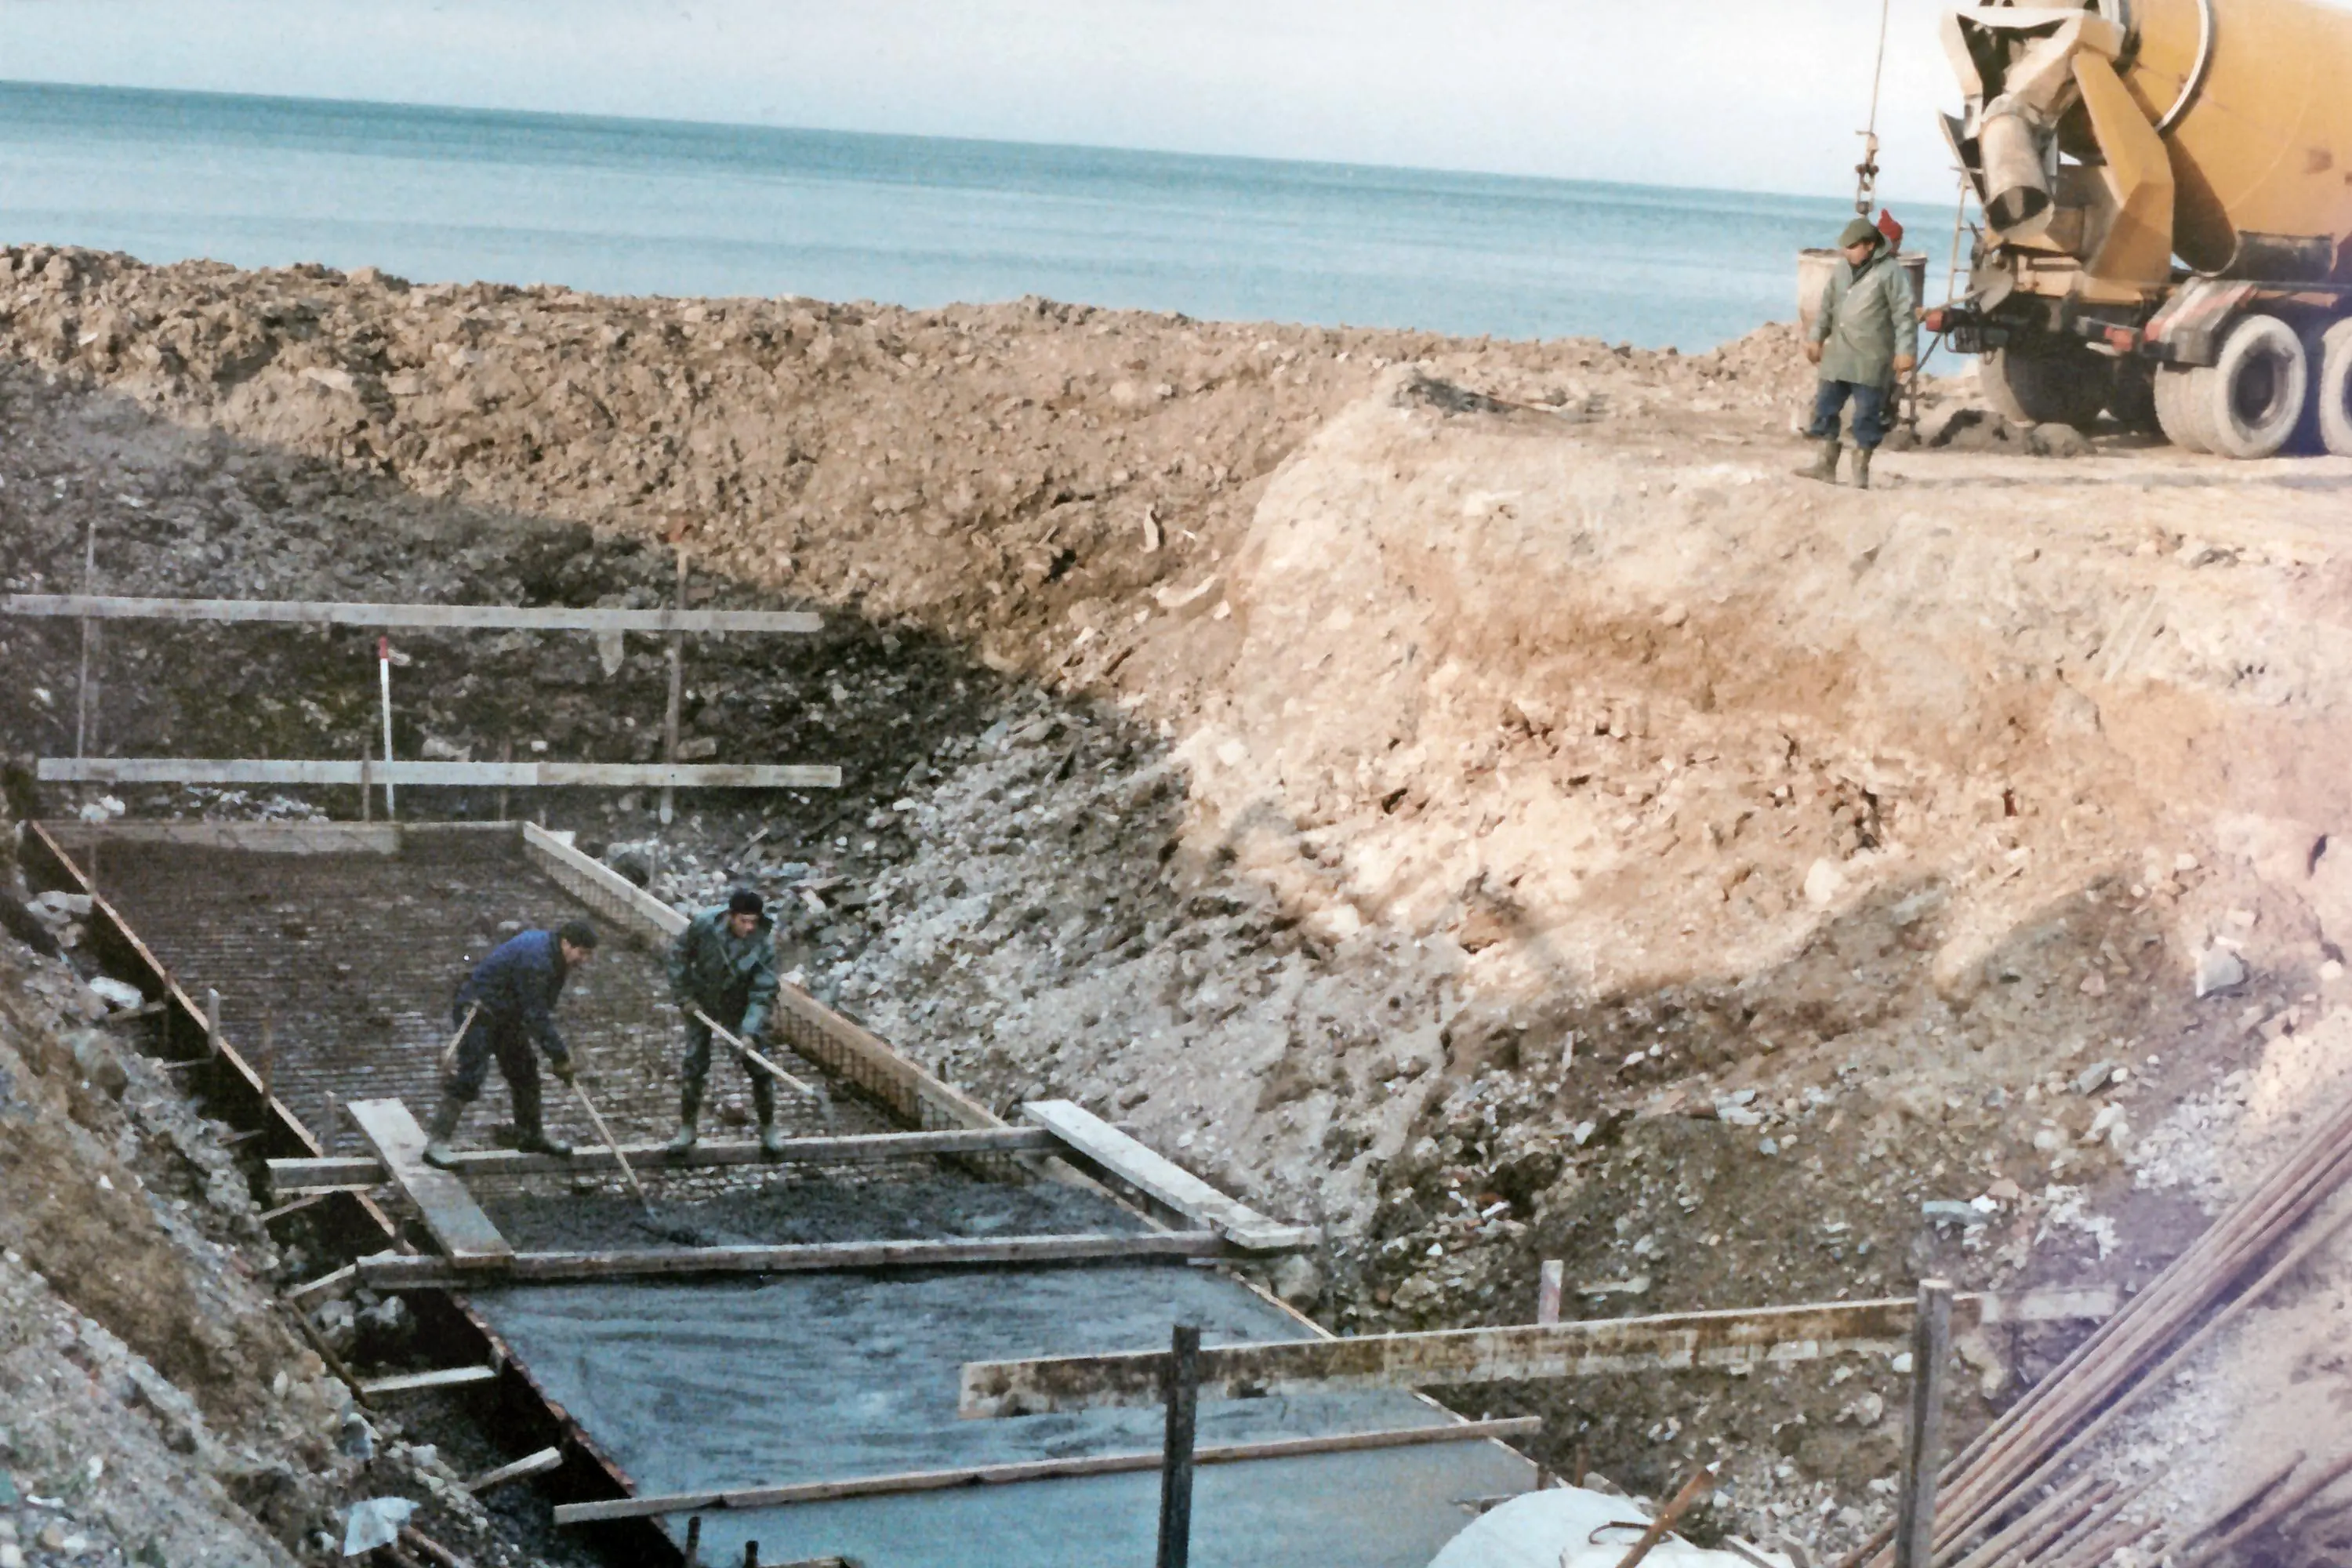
(580, 116)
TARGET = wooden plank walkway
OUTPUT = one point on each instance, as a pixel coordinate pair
(450, 1212)
(1121, 1157)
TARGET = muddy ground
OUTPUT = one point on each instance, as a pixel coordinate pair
(1464, 793)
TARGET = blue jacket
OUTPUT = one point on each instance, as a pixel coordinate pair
(517, 986)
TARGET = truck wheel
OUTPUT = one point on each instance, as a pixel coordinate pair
(2252, 397)
(2176, 407)
(2046, 383)
(2132, 397)
(2334, 394)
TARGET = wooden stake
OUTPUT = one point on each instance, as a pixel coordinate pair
(694, 1542)
(677, 693)
(1183, 1394)
(88, 638)
(1555, 1278)
(212, 1023)
(505, 754)
(1931, 1347)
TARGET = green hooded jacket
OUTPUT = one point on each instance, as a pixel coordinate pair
(717, 971)
(1868, 321)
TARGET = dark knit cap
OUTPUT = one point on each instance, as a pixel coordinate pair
(1860, 230)
(744, 901)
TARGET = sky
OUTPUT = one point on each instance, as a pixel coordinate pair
(1722, 93)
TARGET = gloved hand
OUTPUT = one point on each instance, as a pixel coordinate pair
(565, 1070)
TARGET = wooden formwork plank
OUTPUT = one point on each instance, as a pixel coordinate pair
(1518, 1352)
(390, 1270)
(290, 1175)
(1113, 1151)
(289, 773)
(1043, 1470)
(413, 1382)
(453, 617)
(450, 1212)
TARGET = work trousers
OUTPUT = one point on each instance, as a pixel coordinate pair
(491, 1037)
(696, 1072)
(1871, 401)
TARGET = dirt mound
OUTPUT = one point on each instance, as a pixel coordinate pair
(1465, 792)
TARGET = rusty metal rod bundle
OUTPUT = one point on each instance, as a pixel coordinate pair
(2069, 1503)
(2270, 1513)
(2022, 1451)
(2110, 1384)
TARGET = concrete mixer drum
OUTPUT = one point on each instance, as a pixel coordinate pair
(2167, 187)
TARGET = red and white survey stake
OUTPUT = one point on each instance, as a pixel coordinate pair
(384, 670)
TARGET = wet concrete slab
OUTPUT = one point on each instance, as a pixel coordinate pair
(703, 1386)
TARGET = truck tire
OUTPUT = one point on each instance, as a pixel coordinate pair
(2046, 382)
(2334, 394)
(2176, 402)
(2251, 402)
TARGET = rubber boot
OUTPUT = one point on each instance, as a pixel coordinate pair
(771, 1141)
(438, 1150)
(531, 1128)
(1823, 468)
(1862, 468)
(689, 1111)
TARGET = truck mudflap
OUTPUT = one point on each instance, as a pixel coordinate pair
(2188, 329)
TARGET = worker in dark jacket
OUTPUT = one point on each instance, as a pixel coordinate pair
(1866, 336)
(510, 996)
(724, 964)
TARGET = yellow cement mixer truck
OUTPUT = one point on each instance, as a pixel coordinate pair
(2167, 190)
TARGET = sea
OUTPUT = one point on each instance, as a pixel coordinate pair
(644, 206)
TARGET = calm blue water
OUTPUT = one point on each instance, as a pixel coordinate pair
(661, 207)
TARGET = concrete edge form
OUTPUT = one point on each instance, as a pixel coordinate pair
(1044, 1470)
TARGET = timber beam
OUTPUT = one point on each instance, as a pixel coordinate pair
(456, 776)
(1043, 1470)
(1524, 1353)
(447, 617)
(402, 1271)
(359, 1171)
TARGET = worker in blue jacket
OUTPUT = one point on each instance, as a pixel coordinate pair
(510, 997)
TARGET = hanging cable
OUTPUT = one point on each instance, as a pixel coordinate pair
(1866, 190)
